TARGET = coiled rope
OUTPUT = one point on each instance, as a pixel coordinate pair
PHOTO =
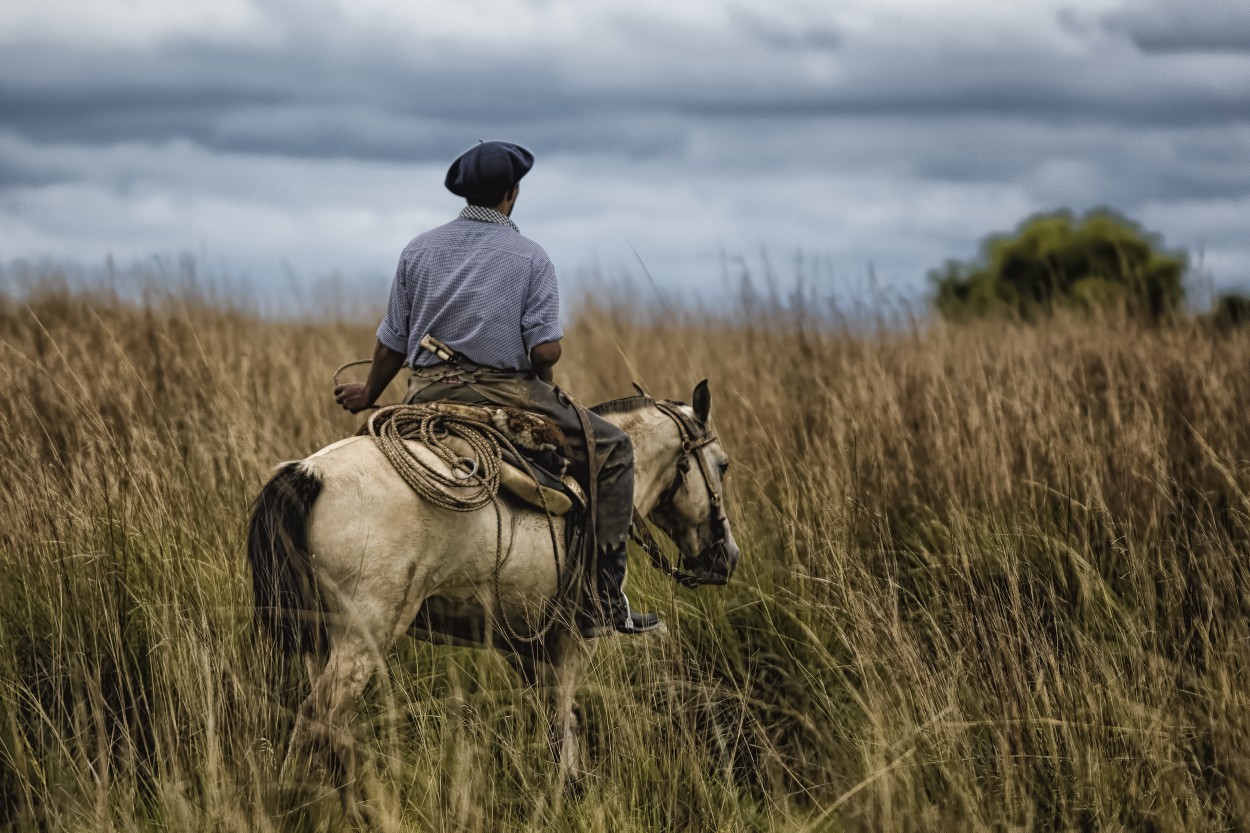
(392, 426)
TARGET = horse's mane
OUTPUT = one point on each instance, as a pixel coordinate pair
(624, 405)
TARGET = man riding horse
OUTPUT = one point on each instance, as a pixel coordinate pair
(474, 312)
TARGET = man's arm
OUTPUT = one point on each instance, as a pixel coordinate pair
(544, 357)
(540, 323)
(355, 396)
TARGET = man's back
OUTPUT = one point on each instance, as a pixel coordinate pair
(477, 285)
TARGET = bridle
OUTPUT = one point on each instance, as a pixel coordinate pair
(712, 562)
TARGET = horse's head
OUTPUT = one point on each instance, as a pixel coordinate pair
(691, 511)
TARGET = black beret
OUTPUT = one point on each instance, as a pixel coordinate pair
(488, 168)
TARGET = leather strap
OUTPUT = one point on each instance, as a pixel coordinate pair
(593, 464)
(641, 533)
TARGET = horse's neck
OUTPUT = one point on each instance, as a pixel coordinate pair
(656, 448)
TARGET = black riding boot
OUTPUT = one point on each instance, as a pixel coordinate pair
(607, 609)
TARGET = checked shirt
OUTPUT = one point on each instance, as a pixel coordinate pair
(477, 285)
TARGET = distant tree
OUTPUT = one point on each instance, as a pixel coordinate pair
(1096, 260)
(1232, 309)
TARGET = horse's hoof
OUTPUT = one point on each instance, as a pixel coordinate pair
(576, 786)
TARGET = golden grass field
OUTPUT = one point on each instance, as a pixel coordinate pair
(994, 578)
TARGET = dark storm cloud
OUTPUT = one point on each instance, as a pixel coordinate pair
(1007, 101)
(1126, 165)
(26, 176)
(355, 101)
(1208, 26)
(291, 105)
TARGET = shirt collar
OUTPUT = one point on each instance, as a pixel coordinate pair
(487, 215)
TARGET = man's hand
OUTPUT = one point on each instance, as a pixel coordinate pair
(353, 396)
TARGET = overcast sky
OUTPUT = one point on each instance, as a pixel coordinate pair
(271, 136)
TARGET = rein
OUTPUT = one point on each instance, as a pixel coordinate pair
(693, 438)
(356, 363)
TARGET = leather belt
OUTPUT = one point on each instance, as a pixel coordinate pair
(468, 368)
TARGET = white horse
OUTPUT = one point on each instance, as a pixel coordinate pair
(346, 557)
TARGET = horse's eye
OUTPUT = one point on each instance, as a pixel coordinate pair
(724, 468)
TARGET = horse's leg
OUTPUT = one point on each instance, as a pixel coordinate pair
(358, 642)
(558, 679)
(568, 668)
(324, 716)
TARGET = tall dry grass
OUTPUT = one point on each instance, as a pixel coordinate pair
(994, 578)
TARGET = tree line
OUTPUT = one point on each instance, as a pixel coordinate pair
(1097, 260)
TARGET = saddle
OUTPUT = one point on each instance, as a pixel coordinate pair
(541, 479)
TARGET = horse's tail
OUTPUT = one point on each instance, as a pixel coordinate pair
(288, 601)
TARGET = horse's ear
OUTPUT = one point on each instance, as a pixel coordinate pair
(702, 401)
(641, 392)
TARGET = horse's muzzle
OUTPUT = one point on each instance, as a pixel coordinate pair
(716, 563)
